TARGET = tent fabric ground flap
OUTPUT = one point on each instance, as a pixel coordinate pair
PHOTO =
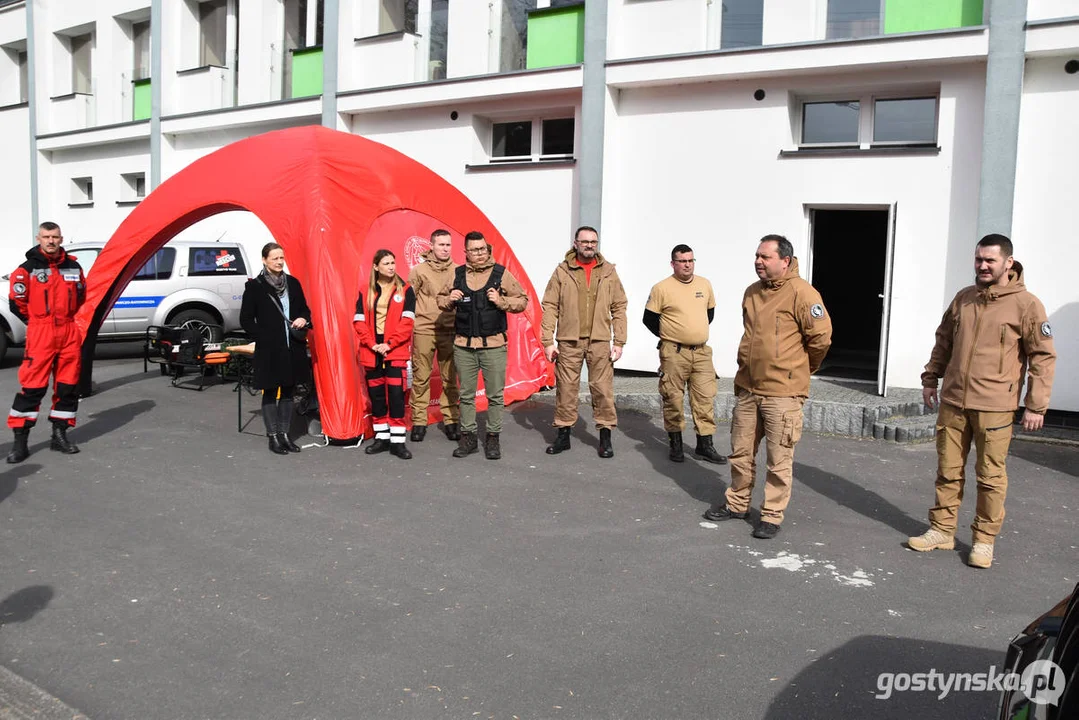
(330, 199)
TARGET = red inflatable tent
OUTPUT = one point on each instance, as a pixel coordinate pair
(330, 199)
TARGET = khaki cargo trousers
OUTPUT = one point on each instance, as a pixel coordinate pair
(424, 348)
(567, 372)
(779, 421)
(682, 366)
(991, 433)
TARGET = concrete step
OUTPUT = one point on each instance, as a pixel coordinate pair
(906, 429)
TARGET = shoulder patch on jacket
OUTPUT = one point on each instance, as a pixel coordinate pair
(817, 310)
(1047, 330)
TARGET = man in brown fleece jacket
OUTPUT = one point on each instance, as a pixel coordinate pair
(586, 302)
(480, 293)
(992, 334)
(787, 333)
(431, 335)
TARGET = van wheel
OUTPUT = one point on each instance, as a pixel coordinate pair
(201, 320)
(3, 345)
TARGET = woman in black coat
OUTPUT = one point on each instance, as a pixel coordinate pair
(280, 359)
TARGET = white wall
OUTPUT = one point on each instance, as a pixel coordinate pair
(792, 21)
(533, 208)
(1048, 9)
(699, 164)
(640, 29)
(1046, 214)
(15, 187)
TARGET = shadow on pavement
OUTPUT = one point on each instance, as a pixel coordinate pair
(24, 604)
(844, 682)
(864, 502)
(9, 479)
(701, 481)
(1045, 455)
(102, 423)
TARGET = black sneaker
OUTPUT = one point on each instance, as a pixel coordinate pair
(765, 530)
(719, 513)
(419, 432)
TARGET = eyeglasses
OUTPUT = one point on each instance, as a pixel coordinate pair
(476, 251)
(588, 242)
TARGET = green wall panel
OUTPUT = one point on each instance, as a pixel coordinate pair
(555, 37)
(140, 109)
(306, 72)
(914, 15)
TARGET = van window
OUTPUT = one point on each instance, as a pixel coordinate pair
(85, 257)
(159, 267)
(216, 260)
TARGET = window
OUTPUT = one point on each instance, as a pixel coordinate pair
(302, 29)
(81, 68)
(140, 39)
(868, 120)
(217, 260)
(517, 140)
(133, 186)
(213, 17)
(439, 39)
(397, 16)
(82, 191)
(513, 54)
(743, 23)
(159, 267)
(905, 120)
(24, 78)
(830, 123)
(85, 257)
(853, 18)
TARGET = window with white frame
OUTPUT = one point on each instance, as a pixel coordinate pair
(397, 16)
(82, 191)
(132, 187)
(869, 119)
(81, 47)
(303, 23)
(533, 139)
(854, 18)
(140, 40)
(14, 76)
(213, 24)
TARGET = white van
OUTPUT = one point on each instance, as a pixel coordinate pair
(186, 283)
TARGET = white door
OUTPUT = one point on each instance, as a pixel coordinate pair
(886, 296)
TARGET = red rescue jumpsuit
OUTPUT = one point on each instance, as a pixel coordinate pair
(45, 292)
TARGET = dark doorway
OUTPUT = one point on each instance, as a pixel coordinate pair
(849, 253)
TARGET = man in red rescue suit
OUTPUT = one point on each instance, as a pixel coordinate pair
(46, 291)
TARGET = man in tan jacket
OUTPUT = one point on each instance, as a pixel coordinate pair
(787, 333)
(586, 302)
(433, 335)
(992, 334)
(480, 293)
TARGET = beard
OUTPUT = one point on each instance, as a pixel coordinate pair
(983, 283)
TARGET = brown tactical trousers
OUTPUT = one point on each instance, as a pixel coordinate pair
(424, 348)
(567, 372)
(779, 421)
(679, 368)
(992, 434)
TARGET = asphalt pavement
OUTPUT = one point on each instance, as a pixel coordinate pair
(175, 568)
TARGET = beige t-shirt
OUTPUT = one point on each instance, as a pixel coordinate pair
(683, 309)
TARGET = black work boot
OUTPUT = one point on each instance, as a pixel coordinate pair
(399, 450)
(676, 453)
(275, 444)
(453, 431)
(707, 451)
(419, 432)
(466, 445)
(492, 448)
(20, 450)
(605, 450)
(378, 446)
(286, 442)
(719, 513)
(59, 441)
(765, 530)
(561, 442)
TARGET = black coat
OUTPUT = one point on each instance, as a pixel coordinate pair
(277, 364)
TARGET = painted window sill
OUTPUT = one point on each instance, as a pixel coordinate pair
(853, 150)
(521, 164)
(128, 203)
(70, 95)
(200, 69)
(15, 106)
(394, 35)
(81, 204)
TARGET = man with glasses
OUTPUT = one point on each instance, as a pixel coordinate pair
(480, 295)
(586, 302)
(678, 312)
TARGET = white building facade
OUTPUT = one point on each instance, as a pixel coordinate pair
(882, 137)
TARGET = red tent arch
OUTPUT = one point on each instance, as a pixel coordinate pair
(330, 199)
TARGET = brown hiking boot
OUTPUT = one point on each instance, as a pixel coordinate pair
(931, 539)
